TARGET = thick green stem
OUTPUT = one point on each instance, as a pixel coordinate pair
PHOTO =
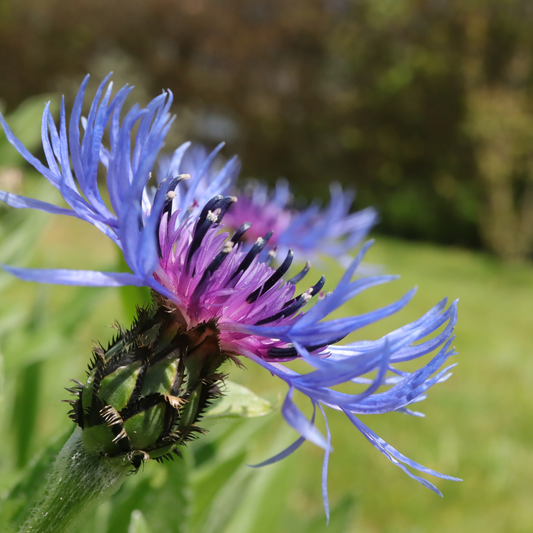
(78, 483)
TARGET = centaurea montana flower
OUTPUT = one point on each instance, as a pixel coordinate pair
(310, 232)
(331, 231)
(206, 282)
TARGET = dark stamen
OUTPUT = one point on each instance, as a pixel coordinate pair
(282, 353)
(301, 275)
(237, 236)
(256, 249)
(225, 205)
(318, 286)
(270, 257)
(218, 260)
(166, 187)
(295, 304)
(275, 277)
(311, 291)
(209, 206)
(206, 219)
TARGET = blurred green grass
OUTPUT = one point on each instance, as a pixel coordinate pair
(477, 425)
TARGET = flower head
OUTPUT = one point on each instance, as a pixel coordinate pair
(309, 233)
(204, 278)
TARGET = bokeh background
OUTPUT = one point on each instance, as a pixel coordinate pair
(426, 108)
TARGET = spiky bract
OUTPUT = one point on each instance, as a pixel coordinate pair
(146, 392)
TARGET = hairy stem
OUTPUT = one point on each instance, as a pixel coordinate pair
(79, 481)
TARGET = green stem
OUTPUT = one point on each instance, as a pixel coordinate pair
(79, 481)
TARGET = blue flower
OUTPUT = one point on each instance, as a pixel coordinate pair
(172, 241)
(311, 232)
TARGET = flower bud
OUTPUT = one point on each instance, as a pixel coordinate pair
(146, 392)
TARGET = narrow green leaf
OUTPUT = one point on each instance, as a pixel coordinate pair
(174, 494)
(340, 521)
(53, 336)
(262, 507)
(221, 479)
(228, 499)
(2, 406)
(216, 482)
(25, 410)
(138, 523)
(15, 507)
(129, 498)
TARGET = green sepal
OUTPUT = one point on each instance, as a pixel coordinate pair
(189, 411)
(116, 388)
(146, 392)
(162, 451)
(142, 427)
(160, 377)
(99, 439)
(87, 392)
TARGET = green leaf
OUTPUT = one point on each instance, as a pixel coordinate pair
(173, 493)
(32, 342)
(2, 378)
(138, 523)
(263, 506)
(98, 521)
(215, 491)
(239, 402)
(219, 512)
(16, 506)
(340, 520)
(25, 412)
(220, 480)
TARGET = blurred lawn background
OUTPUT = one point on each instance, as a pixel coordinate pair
(425, 107)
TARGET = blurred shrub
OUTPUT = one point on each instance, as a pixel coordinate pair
(502, 125)
(378, 95)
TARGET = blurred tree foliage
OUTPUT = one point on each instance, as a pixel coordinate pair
(422, 105)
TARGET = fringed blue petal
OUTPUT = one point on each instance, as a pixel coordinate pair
(281, 455)
(331, 231)
(89, 278)
(22, 202)
(300, 423)
(396, 457)
(325, 465)
(322, 333)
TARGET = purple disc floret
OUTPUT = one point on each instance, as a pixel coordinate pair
(310, 232)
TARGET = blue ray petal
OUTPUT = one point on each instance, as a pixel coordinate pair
(89, 278)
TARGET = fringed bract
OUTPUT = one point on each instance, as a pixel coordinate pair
(145, 393)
